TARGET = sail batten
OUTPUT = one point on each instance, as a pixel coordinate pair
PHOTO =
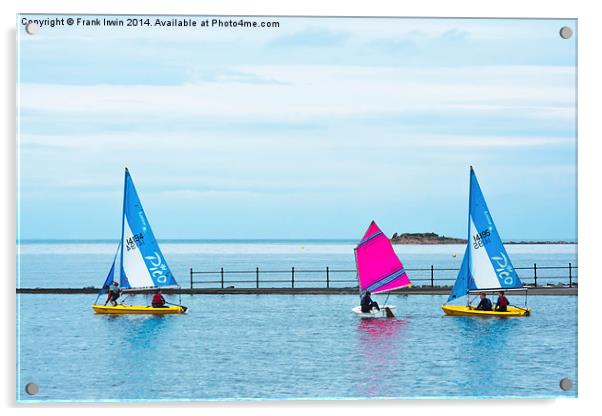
(486, 264)
(378, 267)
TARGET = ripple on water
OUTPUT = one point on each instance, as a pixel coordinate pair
(301, 346)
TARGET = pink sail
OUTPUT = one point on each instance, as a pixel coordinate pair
(378, 267)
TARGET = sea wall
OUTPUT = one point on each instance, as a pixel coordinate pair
(551, 290)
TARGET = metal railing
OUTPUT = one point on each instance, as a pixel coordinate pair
(425, 277)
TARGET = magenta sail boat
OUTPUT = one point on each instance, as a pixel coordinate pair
(378, 268)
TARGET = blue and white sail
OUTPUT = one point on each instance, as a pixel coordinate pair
(486, 264)
(142, 263)
(111, 275)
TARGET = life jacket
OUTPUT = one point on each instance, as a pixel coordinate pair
(503, 301)
(158, 299)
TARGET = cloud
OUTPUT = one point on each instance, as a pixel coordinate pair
(316, 37)
(323, 119)
(455, 34)
(477, 142)
(185, 166)
(230, 76)
(298, 92)
(203, 194)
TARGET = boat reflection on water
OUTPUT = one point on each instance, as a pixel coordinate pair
(379, 330)
(484, 334)
(137, 334)
(491, 346)
(380, 343)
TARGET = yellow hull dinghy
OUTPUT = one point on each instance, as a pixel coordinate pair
(147, 310)
(486, 266)
(141, 262)
(463, 310)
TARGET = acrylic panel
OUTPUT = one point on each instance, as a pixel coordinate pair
(194, 192)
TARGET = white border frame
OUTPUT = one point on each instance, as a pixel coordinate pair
(590, 34)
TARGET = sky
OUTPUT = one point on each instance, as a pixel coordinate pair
(308, 130)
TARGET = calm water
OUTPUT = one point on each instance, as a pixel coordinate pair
(292, 346)
(86, 264)
(283, 347)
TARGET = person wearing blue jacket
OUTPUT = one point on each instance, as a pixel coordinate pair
(484, 304)
(367, 303)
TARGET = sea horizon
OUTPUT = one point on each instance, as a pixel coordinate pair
(267, 240)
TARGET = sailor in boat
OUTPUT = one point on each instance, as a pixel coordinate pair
(113, 294)
(484, 304)
(368, 304)
(158, 300)
(502, 302)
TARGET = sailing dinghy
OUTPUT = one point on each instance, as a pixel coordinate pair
(379, 270)
(486, 266)
(142, 266)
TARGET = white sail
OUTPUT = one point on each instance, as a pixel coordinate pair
(134, 265)
(481, 268)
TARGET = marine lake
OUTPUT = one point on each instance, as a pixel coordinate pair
(237, 347)
(80, 264)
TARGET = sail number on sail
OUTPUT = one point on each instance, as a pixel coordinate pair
(481, 239)
(503, 268)
(135, 241)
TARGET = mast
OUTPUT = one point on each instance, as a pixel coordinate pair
(125, 183)
(359, 285)
(468, 239)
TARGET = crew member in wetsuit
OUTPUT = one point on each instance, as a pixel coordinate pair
(484, 304)
(502, 302)
(158, 300)
(368, 303)
(113, 292)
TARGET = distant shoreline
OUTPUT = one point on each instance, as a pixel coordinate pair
(433, 238)
(541, 242)
(401, 241)
(505, 242)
